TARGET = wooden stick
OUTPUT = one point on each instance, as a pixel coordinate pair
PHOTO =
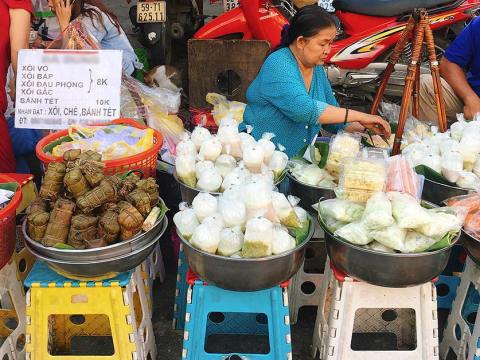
(409, 84)
(392, 61)
(435, 70)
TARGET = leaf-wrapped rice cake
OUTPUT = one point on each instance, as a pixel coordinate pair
(130, 220)
(52, 184)
(108, 226)
(59, 223)
(76, 183)
(83, 228)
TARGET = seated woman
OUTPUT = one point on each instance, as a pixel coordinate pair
(291, 96)
(102, 24)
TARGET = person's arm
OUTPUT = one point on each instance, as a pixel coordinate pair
(19, 33)
(357, 120)
(63, 11)
(290, 96)
(457, 58)
(456, 78)
(331, 100)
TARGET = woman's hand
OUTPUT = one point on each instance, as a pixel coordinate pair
(376, 124)
(63, 10)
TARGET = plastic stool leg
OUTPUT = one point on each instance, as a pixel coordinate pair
(321, 322)
(14, 345)
(458, 332)
(180, 292)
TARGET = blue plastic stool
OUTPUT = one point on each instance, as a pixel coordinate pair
(180, 292)
(450, 284)
(263, 313)
(42, 275)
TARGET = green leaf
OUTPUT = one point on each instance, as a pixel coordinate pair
(281, 176)
(163, 209)
(63, 246)
(49, 148)
(323, 148)
(301, 234)
(10, 186)
(444, 242)
(431, 174)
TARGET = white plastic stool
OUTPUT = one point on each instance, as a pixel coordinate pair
(363, 309)
(143, 315)
(156, 264)
(321, 322)
(457, 337)
(12, 307)
(305, 286)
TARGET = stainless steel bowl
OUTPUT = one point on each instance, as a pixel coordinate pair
(308, 194)
(436, 192)
(102, 267)
(386, 269)
(103, 253)
(246, 274)
(189, 192)
(472, 245)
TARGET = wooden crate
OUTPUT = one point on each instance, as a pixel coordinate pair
(226, 67)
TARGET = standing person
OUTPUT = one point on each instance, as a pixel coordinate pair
(291, 96)
(102, 24)
(15, 18)
(460, 71)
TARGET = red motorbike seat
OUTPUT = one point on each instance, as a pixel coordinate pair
(386, 7)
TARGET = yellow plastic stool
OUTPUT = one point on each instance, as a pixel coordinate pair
(60, 310)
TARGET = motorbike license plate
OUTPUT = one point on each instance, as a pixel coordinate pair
(230, 5)
(151, 12)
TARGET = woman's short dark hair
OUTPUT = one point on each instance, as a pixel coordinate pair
(307, 22)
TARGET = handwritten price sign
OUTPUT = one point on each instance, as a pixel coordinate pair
(58, 88)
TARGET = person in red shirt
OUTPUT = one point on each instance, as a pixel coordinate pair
(15, 16)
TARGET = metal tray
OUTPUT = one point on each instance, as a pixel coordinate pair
(308, 194)
(246, 274)
(106, 252)
(102, 267)
(386, 269)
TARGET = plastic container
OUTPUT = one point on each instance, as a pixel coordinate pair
(342, 146)
(145, 161)
(7, 223)
(361, 178)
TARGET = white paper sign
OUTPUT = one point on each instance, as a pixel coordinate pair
(58, 88)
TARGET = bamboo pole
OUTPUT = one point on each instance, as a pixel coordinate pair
(435, 70)
(409, 85)
(392, 61)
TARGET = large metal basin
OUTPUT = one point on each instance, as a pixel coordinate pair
(122, 263)
(386, 269)
(189, 192)
(436, 192)
(472, 245)
(103, 253)
(308, 194)
(246, 274)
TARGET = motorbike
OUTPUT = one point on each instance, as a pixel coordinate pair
(160, 24)
(367, 32)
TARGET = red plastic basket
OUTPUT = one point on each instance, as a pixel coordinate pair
(145, 161)
(7, 223)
